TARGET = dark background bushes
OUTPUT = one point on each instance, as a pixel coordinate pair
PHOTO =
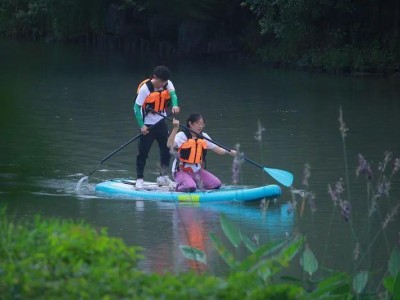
(338, 36)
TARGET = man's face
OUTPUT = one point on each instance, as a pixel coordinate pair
(159, 83)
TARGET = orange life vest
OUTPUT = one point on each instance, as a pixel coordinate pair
(193, 150)
(157, 100)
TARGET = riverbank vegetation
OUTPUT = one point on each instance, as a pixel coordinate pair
(48, 258)
(52, 259)
(336, 36)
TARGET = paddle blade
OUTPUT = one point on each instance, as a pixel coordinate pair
(78, 185)
(283, 177)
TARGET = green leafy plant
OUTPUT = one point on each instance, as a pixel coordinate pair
(308, 261)
(392, 281)
(52, 259)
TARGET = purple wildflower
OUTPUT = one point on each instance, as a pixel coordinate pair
(305, 195)
(390, 216)
(311, 202)
(383, 188)
(237, 162)
(332, 194)
(345, 210)
(363, 167)
(386, 160)
(258, 134)
(343, 129)
(306, 174)
(396, 165)
(301, 193)
(335, 193)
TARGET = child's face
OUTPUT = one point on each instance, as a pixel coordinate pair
(197, 126)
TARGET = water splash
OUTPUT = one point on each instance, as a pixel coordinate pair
(78, 185)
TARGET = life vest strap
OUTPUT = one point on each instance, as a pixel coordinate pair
(188, 169)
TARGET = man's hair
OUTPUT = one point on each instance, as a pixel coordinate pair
(161, 72)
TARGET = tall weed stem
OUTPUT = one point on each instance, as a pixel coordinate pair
(343, 130)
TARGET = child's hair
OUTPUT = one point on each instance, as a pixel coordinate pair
(194, 118)
(162, 72)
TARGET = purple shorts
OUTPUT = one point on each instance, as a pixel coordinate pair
(189, 182)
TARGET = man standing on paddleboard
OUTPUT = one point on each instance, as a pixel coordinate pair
(157, 93)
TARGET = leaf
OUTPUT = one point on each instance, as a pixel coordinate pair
(388, 283)
(290, 278)
(230, 230)
(308, 261)
(256, 256)
(337, 281)
(291, 250)
(360, 281)
(264, 272)
(396, 288)
(223, 252)
(394, 262)
(273, 265)
(252, 247)
(193, 253)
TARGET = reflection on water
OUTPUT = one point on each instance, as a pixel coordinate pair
(191, 225)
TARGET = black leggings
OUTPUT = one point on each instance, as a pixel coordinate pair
(160, 134)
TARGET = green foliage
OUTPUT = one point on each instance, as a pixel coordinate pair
(185, 9)
(392, 282)
(335, 285)
(59, 19)
(265, 250)
(338, 36)
(192, 253)
(394, 261)
(360, 281)
(69, 19)
(46, 258)
(264, 261)
(392, 285)
(226, 255)
(52, 259)
(250, 245)
(231, 231)
(309, 261)
(396, 287)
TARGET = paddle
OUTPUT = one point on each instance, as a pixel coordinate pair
(114, 152)
(283, 177)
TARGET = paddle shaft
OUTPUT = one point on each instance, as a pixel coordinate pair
(125, 144)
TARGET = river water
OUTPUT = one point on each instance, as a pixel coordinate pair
(64, 108)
